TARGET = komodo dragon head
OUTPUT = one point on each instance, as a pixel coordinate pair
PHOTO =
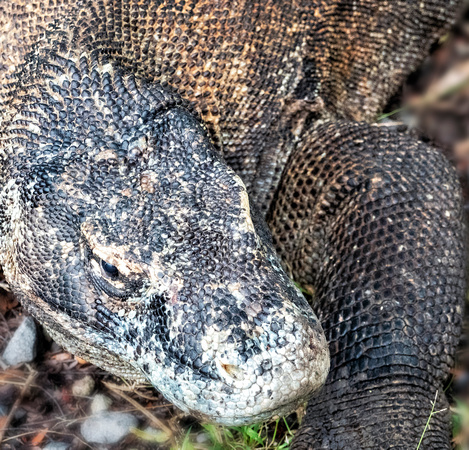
(124, 231)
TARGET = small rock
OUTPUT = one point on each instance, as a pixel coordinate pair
(202, 438)
(22, 345)
(3, 410)
(100, 403)
(107, 427)
(56, 446)
(83, 387)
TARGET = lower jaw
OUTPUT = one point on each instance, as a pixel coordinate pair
(240, 420)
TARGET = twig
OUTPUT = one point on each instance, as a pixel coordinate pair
(17, 403)
(21, 383)
(432, 413)
(27, 433)
(156, 422)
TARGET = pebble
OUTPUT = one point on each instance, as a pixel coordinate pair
(56, 446)
(100, 403)
(22, 345)
(83, 387)
(107, 427)
(202, 438)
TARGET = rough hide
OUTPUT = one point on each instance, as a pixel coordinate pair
(126, 230)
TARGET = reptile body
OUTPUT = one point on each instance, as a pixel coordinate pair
(132, 133)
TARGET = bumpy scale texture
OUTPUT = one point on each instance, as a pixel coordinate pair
(382, 249)
(133, 241)
(132, 132)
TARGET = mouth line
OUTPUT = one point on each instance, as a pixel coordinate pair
(221, 417)
(266, 414)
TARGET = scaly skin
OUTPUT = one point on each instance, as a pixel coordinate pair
(127, 232)
(384, 253)
(195, 300)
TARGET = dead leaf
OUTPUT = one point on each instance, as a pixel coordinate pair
(80, 360)
(36, 440)
(62, 356)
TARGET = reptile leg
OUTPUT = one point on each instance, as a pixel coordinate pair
(372, 221)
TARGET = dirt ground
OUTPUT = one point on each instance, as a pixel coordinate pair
(42, 401)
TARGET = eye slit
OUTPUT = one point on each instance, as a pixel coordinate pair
(109, 269)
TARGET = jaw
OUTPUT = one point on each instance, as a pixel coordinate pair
(237, 386)
(219, 402)
(274, 381)
(237, 316)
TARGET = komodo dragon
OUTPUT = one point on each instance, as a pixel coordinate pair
(126, 129)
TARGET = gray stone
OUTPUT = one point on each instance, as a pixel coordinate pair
(56, 446)
(100, 403)
(22, 345)
(202, 438)
(83, 387)
(107, 427)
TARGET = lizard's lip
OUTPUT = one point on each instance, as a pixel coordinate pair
(272, 382)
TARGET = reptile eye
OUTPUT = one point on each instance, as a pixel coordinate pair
(109, 269)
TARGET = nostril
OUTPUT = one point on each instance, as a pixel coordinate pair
(230, 370)
(315, 341)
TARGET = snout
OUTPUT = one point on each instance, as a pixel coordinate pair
(251, 369)
(271, 373)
